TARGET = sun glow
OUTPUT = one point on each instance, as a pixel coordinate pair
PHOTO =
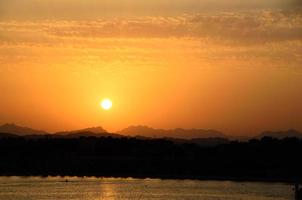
(106, 104)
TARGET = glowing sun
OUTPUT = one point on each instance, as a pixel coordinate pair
(106, 104)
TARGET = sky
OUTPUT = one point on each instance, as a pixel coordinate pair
(227, 65)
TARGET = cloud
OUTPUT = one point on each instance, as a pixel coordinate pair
(92, 9)
(242, 38)
(245, 27)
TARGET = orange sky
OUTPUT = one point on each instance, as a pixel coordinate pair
(237, 70)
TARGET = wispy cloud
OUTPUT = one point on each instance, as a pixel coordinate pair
(244, 38)
(264, 25)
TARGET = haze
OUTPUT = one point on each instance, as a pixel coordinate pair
(224, 65)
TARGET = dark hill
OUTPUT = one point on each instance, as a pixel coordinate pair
(145, 131)
(19, 130)
(281, 134)
(87, 132)
(96, 130)
(8, 135)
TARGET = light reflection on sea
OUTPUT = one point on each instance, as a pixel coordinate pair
(88, 188)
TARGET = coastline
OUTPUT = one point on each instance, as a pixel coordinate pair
(289, 181)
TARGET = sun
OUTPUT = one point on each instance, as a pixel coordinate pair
(106, 104)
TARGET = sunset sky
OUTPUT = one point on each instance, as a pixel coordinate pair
(227, 65)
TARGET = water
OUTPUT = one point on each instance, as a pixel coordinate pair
(55, 188)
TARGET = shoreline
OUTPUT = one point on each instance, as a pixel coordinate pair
(162, 177)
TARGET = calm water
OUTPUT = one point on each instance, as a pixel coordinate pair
(55, 188)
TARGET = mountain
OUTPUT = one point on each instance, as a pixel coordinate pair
(12, 130)
(19, 130)
(146, 131)
(97, 130)
(87, 132)
(8, 135)
(281, 134)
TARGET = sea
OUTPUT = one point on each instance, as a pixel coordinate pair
(93, 188)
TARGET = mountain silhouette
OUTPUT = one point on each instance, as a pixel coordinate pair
(87, 132)
(12, 130)
(178, 135)
(145, 131)
(281, 134)
(96, 130)
(20, 131)
(7, 135)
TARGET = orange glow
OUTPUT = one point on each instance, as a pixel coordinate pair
(238, 72)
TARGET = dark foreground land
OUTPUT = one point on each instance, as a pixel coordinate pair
(266, 159)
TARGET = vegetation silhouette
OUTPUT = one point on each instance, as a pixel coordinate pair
(264, 159)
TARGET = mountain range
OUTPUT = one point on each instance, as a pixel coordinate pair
(87, 132)
(281, 134)
(11, 130)
(20, 131)
(144, 132)
(174, 133)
